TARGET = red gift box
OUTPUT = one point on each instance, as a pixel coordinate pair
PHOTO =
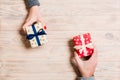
(83, 45)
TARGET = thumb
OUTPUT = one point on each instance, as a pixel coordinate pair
(28, 23)
(78, 61)
(24, 26)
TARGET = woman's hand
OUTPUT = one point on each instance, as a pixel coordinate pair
(86, 68)
(33, 16)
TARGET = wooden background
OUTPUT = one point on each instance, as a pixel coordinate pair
(64, 19)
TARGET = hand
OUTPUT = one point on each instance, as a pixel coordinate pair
(33, 16)
(86, 68)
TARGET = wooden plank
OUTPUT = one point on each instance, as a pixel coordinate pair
(64, 19)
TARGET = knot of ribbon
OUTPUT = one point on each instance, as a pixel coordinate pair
(83, 46)
(36, 34)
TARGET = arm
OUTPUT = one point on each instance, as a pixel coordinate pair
(33, 13)
(86, 68)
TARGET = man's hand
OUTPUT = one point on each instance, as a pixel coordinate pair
(86, 68)
(33, 16)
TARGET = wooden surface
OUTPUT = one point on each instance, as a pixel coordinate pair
(64, 19)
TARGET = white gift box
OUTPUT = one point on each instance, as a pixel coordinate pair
(36, 34)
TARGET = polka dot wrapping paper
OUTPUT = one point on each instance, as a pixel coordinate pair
(36, 34)
(83, 45)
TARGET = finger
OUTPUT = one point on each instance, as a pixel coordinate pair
(28, 23)
(77, 59)
(94, 55)
(73, 61)
(24, 27)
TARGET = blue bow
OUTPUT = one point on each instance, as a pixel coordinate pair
(36, 34)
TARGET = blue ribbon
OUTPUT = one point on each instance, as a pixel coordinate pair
(36, 34)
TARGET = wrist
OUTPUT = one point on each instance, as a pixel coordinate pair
(86, 78)
(34, 8)
(87, 74)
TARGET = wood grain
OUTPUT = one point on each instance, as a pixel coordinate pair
(64, 19)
